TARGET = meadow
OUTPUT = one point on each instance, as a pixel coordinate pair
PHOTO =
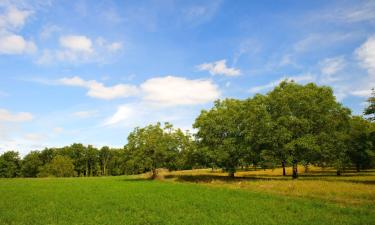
(192, 197)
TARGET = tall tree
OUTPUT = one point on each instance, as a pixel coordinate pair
(303, 113)
(151, 148)
(105, 155)
(360, 144)
(31, 164)
(220, 132)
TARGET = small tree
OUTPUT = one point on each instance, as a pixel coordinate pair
(60, 166)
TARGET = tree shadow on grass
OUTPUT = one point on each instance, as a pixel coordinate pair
(211, 178)
(137, 179)
(304, 177)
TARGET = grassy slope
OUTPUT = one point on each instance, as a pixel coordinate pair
(120, 200)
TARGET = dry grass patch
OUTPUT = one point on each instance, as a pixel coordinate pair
(349, 189)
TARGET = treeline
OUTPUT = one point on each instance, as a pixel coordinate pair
(291, 125)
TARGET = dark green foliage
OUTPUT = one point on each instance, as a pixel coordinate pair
(31, 164)
(154, 147)
(10, 164)
(220, 134)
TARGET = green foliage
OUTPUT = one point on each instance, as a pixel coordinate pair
(31, 164)
(220, 132)
(60, 166)
(154, 147)
(10, 164)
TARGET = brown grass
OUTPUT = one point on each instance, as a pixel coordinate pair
(349, 189)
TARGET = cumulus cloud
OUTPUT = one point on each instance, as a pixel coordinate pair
(219, 68)
(77, 43)
(11, 21)
(15, 44)
(7, 116)
(366, 55)
(14, 18)
(168, 90)
(99, 90)
(171, 90)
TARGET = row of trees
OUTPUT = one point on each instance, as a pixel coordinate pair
(148, 148)
(291, 125)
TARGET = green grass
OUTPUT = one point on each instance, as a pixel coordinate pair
(122, 200)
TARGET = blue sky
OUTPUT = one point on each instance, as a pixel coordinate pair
(75, 71)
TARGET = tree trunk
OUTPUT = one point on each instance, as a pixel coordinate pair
(306, 168)
(283, 165)
(154, 173)
(338, 172)
(357, 167)
(295, 170)
(231, 174)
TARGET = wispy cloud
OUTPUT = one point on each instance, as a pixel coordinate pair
(7, 116)
(219, 68)
(299, 79)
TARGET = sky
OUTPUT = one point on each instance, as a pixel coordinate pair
(90, 71)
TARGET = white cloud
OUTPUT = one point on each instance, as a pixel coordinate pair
(330, 67)
(172, 90)
(219, 68)
(84, 114)
(299, 79)
(11, 21)
(366, 54)
(142, 113)
(6, 116)
(123, 113)
(98, 90)
(15, 44)
(168, 90)
(359, 13)
(80, 49)
(362, 93)
(14, 18)
(77, 43)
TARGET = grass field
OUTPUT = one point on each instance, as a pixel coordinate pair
(258, 197)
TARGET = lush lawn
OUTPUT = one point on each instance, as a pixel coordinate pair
(124, 200)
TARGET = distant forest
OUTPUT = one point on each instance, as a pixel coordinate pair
(291, 125)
